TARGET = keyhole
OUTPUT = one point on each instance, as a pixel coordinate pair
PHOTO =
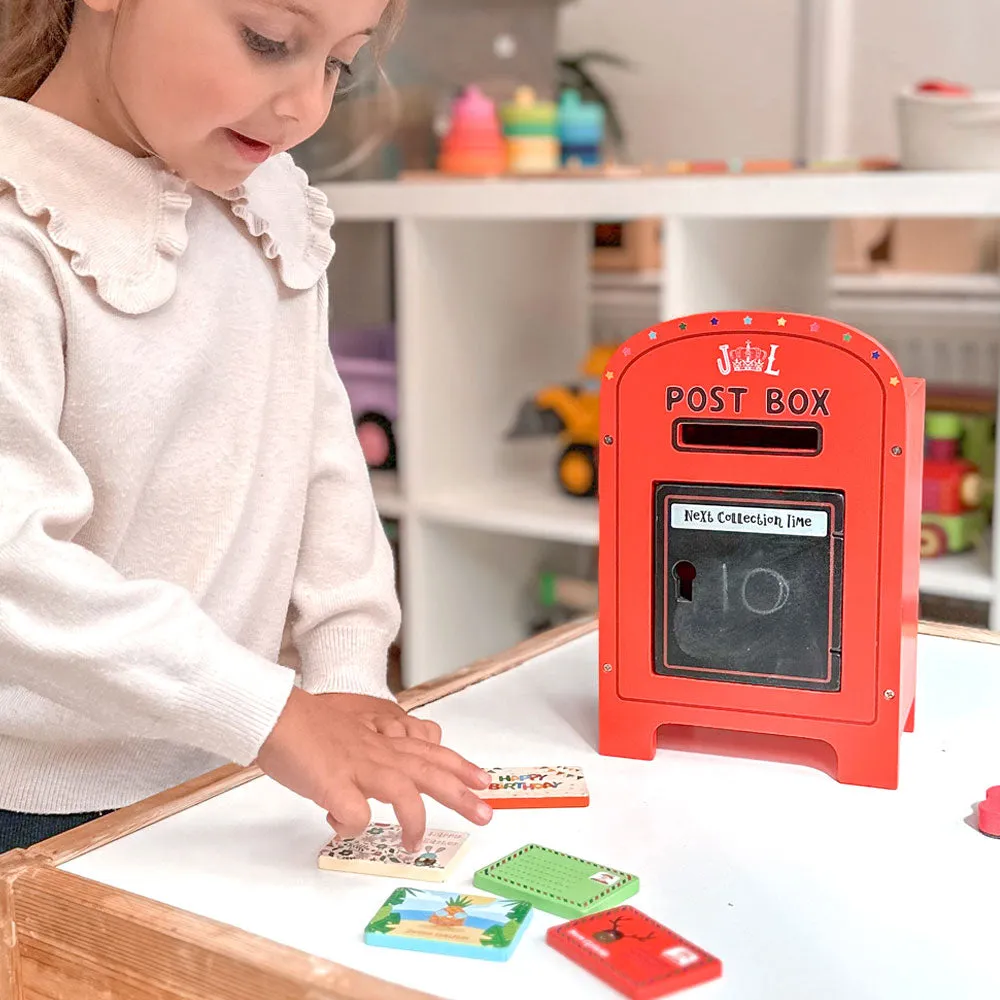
(684, 573)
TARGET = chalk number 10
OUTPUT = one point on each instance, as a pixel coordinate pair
(769, 590)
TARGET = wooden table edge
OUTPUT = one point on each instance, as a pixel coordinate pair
(57, 927)
(41, 906)
(63, 935)
(83, 839)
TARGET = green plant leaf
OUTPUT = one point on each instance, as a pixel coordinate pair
(384, 924)
(599, 56)
(399, 895)
(493, 937)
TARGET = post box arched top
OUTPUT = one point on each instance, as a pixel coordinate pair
(747, 336)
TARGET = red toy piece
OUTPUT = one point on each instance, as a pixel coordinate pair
(760, 489)
(945, 87)
(952, 484)
(989, 813)
(633, 953)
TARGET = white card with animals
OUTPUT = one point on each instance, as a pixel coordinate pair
(379, 851)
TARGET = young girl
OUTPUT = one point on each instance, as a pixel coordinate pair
(185, 512)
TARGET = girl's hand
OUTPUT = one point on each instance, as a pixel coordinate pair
(387, 718)
(322, 749)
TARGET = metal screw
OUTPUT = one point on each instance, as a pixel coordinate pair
(888, 694)
(608, 439)
(606, 668)
(896, 450)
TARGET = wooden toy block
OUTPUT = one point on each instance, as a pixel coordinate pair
(633, 953)
(632, 245)
(558, 883)
(536, 788)
(449, 923)
(379, 851)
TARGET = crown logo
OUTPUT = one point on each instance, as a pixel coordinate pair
(748, 359)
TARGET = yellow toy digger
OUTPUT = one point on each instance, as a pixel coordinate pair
(573, 412)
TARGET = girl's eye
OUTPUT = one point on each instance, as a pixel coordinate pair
(334, 66)
(264, 46)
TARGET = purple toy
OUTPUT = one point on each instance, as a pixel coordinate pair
(366, 361)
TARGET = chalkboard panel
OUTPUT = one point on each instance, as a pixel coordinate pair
(748, 585)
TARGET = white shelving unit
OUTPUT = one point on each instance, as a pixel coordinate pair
(493, 300)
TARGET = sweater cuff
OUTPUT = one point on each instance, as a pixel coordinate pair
(233, 711)
(346, 660)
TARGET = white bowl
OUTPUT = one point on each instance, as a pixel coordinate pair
(949, 132)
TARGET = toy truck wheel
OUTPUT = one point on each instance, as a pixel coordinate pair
(377, 440)
(971, 489)
(578, 470)
(933, 541)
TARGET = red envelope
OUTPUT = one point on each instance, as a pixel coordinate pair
(633, 953)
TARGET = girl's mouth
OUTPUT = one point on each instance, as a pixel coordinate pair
(250, 149)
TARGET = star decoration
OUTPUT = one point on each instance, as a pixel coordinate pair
(782, 321)
(609, 375)
(626, 351)
(683, 326)
(652, 335)
(847, 338)
(715, 321)
(876, 355)
(747, 320)
(814, 327)
(894, 380)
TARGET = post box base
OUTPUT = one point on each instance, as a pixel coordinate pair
(865, 755)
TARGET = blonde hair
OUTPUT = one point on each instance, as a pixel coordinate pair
(33, 35)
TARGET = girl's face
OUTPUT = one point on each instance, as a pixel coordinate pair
(215, 87)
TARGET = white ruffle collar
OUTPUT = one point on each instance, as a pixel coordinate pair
(123, 220)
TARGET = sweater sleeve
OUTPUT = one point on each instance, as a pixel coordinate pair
(345, 612)
(138, 657)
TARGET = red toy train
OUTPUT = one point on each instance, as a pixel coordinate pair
(953, 518)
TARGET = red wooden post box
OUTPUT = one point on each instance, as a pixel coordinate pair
(760, 491)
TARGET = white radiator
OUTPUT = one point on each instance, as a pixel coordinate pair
(945, 330)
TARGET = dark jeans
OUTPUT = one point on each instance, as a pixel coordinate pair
(26, 829)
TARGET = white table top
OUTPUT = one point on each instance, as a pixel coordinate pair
(804, 888)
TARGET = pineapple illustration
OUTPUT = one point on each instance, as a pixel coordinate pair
(452, 914)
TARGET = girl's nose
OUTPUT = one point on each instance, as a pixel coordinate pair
(304, 100)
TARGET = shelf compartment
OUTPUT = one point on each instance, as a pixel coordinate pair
(522, 507)
(965, 575)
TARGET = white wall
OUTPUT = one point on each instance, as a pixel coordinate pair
(714, 78)
(718, 78)
(898, 42)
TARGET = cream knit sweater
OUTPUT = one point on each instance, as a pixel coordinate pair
(181, 487)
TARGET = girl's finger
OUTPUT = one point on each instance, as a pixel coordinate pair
(390, 725)
(423, 729)
(347, 809)
(395, 788)
(443, 786)
(445, 759)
